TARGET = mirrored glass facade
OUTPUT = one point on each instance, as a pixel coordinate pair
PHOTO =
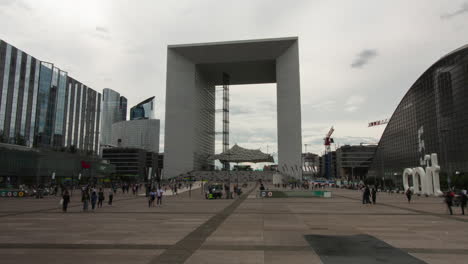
(431, 118)
(143, 110)
(111, 113)
(41, 106)
(123, 108)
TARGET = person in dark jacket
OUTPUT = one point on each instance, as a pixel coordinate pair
(111, 196)
(93, 199)
(366, 196)
(66, 200)
(374, 195)
(85, 199)
(409, 193)
(100, 197)
(463, 200)
(449, 201)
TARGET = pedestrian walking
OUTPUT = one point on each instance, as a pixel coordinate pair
(366, 195)
(111, 197)
(409, 193)
(100, 197)
(374, 195)
(85, 199)
(463, 200)
(159, 193)
(65, 200)
(150, 198)
(449, 201)
(93, 199)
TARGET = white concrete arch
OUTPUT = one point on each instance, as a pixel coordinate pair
(193, 71)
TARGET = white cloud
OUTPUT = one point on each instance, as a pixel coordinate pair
(354, 102)
(463, 9)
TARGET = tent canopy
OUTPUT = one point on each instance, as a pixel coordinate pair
(238, 154)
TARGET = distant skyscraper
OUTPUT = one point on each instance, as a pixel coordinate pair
(143, 110)
(40, 105)
(111, 114)
(123, 108)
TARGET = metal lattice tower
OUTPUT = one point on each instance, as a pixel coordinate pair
(226, 115)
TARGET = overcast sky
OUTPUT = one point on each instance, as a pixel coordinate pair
(357, 58)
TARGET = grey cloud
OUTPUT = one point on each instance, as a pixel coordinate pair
(364, 57)
(461, 10)
(236, 110)
(101, 33)
(6, 2)
(101, 36)
(102, 29)
(19, 3)
(355, 140)
(242, 135)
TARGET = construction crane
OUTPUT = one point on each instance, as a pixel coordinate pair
(328, 140)
(328, 156)
(379, 122)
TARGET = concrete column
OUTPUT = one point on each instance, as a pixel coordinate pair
(289, 110)
(179, 141)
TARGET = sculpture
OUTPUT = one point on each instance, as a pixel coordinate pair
(430, 181)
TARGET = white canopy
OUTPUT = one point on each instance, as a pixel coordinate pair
(238, 154)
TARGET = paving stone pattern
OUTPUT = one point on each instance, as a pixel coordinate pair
(244, 230)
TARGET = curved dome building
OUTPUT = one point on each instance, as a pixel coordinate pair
(431, 118)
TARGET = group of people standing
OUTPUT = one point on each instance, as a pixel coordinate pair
(155, 193)
(88, 196)
(449, 198)
(94, 197)
(369, 194)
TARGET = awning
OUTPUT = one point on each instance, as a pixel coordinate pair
(238, 154)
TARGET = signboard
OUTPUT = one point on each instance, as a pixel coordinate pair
(11, 193)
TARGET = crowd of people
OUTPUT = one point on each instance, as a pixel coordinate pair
(89, 196)
(368, 194)
(93, 197)
(450, 198)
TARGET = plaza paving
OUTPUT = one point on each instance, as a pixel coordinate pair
(244, 230)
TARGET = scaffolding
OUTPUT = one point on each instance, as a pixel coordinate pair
(225, 111)
(225, 116)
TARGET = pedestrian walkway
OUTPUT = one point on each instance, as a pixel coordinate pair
(192, 229)
(196, 185)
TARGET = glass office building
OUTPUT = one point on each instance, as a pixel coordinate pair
(143, 110)
(114, 109)
(41, 106)
(123, 108)
(431, 118)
